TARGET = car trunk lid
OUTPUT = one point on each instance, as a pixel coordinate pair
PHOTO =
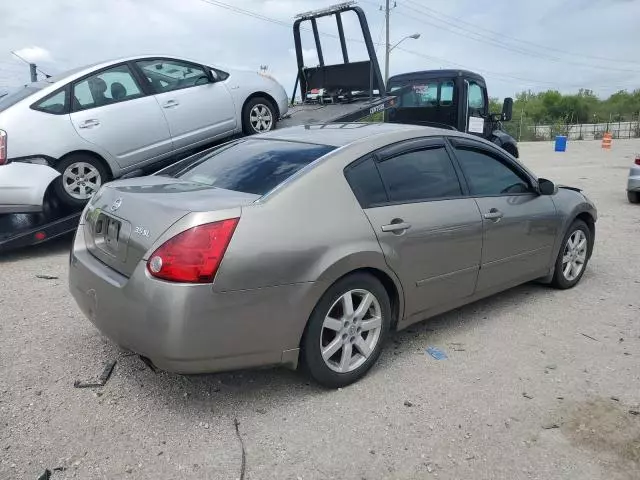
(127, 217)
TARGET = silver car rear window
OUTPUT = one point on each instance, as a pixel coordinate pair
(18, 94)
(252, 165)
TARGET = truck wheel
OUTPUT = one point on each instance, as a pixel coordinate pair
(346, 330)
(81, 177)
(258, 116)
(634, 197)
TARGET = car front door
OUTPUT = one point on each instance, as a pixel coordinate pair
(198, 107)
(429, 231)
(520, 225)
(110, 109)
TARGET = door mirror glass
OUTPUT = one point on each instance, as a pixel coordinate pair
(507, 109)
(546, 187)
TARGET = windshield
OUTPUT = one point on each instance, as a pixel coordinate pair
(20, 93)
(252, 165)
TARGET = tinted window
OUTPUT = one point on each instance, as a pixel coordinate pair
(166, 75)
(55, 103)
(420, 175)
(109, 86)
(366, 184)
(487, 175)
(252, 166)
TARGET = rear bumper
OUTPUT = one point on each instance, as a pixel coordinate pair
(23, 185)
(188, 328)
(633, 184)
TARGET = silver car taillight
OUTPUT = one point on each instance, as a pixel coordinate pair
(3, 147)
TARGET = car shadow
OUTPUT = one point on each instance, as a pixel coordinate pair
(242, 391)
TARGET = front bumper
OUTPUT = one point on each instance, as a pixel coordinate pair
(633, 183)
(188, 328)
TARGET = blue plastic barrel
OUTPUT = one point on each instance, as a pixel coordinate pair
(561, 143)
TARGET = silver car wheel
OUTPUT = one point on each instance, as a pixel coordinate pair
(351, 330)
(574, 255)
(261, 118)
(81, 180)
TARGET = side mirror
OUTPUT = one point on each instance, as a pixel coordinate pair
(507, 109)
(546, 187)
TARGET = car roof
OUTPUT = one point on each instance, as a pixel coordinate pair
(340, 134)
(430, 74)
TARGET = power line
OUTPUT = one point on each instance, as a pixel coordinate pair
(252, 14)
(479, 37)
(515, 39)
(30, 63)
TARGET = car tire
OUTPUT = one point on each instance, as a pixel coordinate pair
(81, 175)
(573, 256)
(259, 116)
(339, 348)
(633, 197)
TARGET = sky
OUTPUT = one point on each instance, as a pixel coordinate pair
(516, 45)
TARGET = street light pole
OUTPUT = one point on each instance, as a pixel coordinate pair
(415, 36)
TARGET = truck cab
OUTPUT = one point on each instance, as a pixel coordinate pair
(455, 99)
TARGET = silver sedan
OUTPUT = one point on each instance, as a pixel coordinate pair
(309, 244)
(633, 183)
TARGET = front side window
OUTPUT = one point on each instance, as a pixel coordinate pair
(166, 75)
(476, 97)
(55, 103)
(487, 175)
(446, 93)
(105, 88)
(420, 175)
(252, 165)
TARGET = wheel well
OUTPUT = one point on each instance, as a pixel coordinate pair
(262, 95)
(91, 154)
(588, 219)
(389, 286)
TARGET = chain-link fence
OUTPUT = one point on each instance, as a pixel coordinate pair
(527, 131)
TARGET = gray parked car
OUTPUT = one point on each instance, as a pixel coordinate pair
(103, 121)
(633, 184)
(313, 242)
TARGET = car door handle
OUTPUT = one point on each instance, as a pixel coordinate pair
(170, 104)
(92, 122)
(494, 214)
(396, 227)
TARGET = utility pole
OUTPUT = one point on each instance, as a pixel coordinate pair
(34, 72)
(387, 45)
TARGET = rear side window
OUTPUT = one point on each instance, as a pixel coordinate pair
(426, 174)
(366, 183)
(56, 103)
(252, 165)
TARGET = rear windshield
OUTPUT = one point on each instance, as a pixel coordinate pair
(21, 93)
(252, 165)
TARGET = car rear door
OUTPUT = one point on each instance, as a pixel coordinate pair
(429, 231)
(520, 226)
(111, 110)
(198, 108)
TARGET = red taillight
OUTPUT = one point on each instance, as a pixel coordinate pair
(637, 159)
(3, 147)
(194, 255)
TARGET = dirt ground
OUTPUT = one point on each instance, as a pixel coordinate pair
(538, 383)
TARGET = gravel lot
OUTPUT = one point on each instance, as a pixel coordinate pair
(539, 384)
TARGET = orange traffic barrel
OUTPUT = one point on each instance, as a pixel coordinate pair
(606, 141)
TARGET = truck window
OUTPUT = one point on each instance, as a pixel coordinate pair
(446, 93)
(476, 97)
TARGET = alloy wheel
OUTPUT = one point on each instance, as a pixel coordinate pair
(575, 255)
(261, 118)
(81, 180)
(351, 330)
